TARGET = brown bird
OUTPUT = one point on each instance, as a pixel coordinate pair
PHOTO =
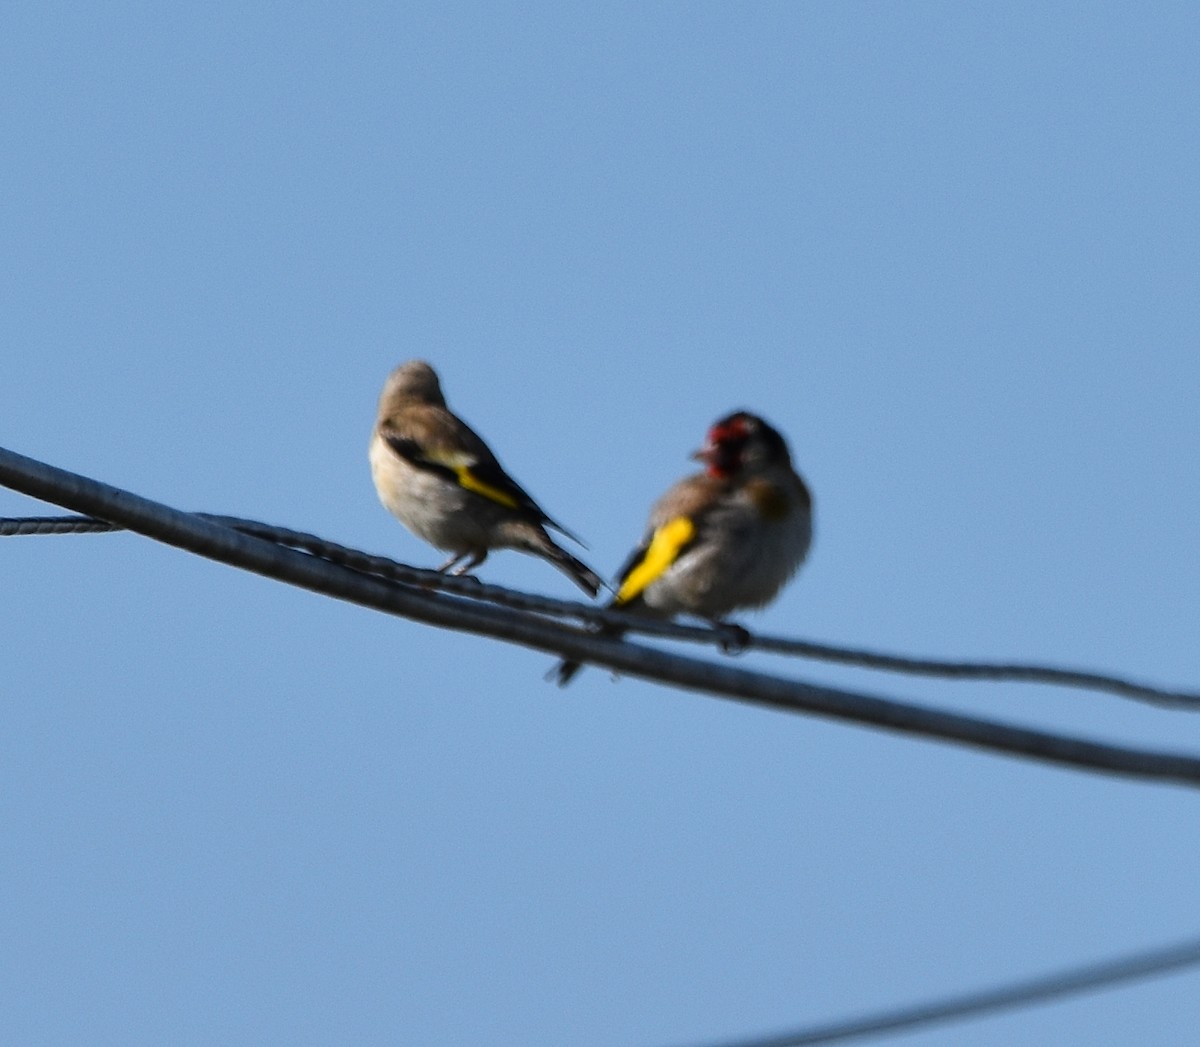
(439, 479)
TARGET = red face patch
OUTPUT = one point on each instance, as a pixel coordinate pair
(723, 451)
(729, 430)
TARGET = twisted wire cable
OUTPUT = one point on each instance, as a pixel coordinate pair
(470, 587)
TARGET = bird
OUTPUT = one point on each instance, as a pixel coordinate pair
(720, 540)
(438, 478)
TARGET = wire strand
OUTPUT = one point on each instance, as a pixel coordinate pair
(471, 587)
(423, 596)
(1104, 975)
(424, 604)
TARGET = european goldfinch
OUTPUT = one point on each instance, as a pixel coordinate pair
(724, 539)
(440, 480)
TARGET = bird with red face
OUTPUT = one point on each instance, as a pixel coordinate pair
(721, 540)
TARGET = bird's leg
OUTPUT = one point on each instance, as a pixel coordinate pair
(450, 563)
(477, 558)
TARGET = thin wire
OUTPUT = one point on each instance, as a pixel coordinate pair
(419, 603)
(471, 587)
(1104, 975)
(367, 563)
(214, 537)
(1011, 671)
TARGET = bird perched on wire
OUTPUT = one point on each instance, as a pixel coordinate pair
(435, 475)
(721, 540)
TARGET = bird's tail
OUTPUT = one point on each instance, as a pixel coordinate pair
(575, 569)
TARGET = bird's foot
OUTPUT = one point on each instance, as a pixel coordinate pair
(732, 638)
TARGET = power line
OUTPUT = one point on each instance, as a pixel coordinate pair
(1105, 975)
(422, 603)
(964, 670)
(473, 588)
(411, 593)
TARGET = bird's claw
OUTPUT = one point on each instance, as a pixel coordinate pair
(733, 639)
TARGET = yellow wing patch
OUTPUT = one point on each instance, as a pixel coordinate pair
(472, 483)
(664, 549)
(460, 464)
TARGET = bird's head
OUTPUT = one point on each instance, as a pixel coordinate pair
(741, 441)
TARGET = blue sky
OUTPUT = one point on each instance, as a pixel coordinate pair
(952, 252)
